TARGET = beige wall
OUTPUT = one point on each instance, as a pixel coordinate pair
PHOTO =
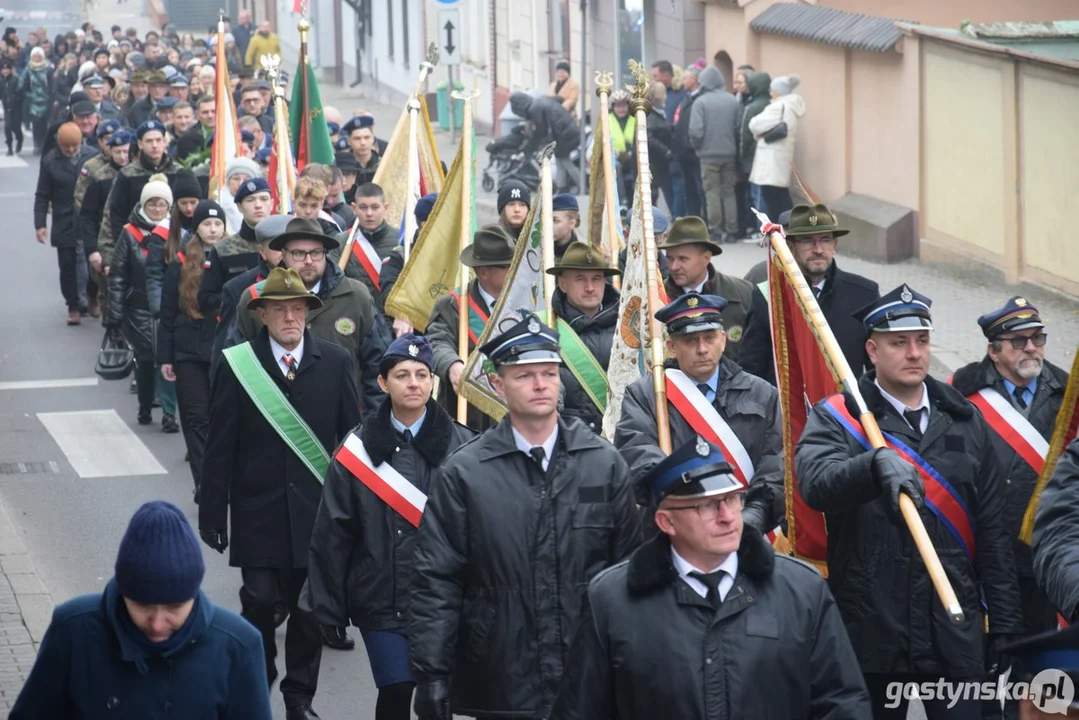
(950, 13)
(884, 137)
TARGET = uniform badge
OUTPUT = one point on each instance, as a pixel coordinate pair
(345, 326)
(735, 333)
(250, 186)
(702, 447)
(288, 281)
(906, 296)
(813, 220)
(413, 351)
(1021, 302)
(533, 325)
(693, 302)
(589, 257)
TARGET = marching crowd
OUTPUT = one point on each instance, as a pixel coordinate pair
(523, 567)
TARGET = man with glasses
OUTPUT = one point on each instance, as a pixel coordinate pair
(1019, 393)
(705, 620)
(708, 395)
(813, 238)
(940, 452)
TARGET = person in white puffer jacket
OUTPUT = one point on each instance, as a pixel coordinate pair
(772, 162)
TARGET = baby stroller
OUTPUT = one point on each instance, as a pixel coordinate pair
(505, 160)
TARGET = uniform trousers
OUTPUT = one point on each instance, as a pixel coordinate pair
(937, 709)
(303, 640)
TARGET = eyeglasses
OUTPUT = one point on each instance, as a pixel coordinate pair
(810, 241)
(302, 255)
(1019, 342)
(709, 509)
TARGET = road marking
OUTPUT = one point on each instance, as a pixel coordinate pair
(98, 443)
(12, 161)
(48, 384)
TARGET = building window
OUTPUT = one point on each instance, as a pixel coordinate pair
(389, 26)
(630, 19)
(404, 31)
(558, 37)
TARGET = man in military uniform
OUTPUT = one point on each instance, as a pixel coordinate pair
(521, 519)
(689, 253)
(360, 133)
(709, 395)
(269, 469)
(588, 305)
(685, 627)
(1056, 536)
(375, 240)
(813, 237)
(95, 182)
(1019, 393)
(143, 110)
(237, 253)
(899, 628)
(489, 256)
(106, 109)
(345, 317)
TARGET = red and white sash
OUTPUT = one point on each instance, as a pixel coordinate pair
(706, 422)
(1010, 424)
(368, 258)
(383, 480)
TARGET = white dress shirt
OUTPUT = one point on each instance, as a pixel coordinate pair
(699, 288)
(318, 286)
(900, 407)
(728, 566)
(487, 297)
(525, 446)
(278, 352)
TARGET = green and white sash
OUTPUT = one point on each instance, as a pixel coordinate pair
(583, 364)
(277, 410)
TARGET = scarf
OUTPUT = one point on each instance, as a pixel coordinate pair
(177, 640)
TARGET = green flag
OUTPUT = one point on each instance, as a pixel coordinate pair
(307, 124)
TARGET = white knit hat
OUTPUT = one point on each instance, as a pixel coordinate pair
(156, 187)
(247, 166)
(785, 84)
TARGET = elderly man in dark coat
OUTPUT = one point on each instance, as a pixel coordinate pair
(710, 396)
(706, 621)
(521, 519)
(268, 467)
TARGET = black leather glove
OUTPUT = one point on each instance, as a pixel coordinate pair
(996, 662)
(433, 700)
(753, 516)
(216, 539)
(894, 475)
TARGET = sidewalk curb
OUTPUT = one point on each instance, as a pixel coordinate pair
(35, 604)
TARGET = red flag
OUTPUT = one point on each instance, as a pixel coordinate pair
(804, 378)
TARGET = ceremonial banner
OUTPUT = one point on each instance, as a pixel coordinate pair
(392, 175)
(307, 124)
(522, 293)
(804, 377)
(1065, 430)
(227, 145)
(434, 262)
(282, 170)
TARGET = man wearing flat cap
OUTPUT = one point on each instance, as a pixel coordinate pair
(520, 520)
(705, 620)
(689, 251)
(1019, 393)
(280, 405)
(813, 237)
(489, 256)
(940, 453)
(372, 504)
(588, 306)
(709, 395)
(346, 317)
(79, 111)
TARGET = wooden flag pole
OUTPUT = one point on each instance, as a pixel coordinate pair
(604, 83)
(641, 107)
(409, 218)
(466, 237)
(834, 355)
(547, 231)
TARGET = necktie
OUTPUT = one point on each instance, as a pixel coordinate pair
(705, 390)
(407, 435)
(1020, 397)
(914, 419)
(538, 454)
(816, 290)
(290, 363)
(712, 580)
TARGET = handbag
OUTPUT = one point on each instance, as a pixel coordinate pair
(778, 131)
(116, 359)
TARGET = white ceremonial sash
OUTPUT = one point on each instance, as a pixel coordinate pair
(1010, 424)
(709, 424)
(390, 486)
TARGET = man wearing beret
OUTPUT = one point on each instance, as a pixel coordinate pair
(710, 395)
(489, 255)
(1019, 393)
(360, 133)
(514, 200)
(237, 253)
(689, 253)
(372, 504)
(813, 238)
(588, 306)
(520, 520)
(151, 640)
(940, 454)
(268, 468)
(705, 620)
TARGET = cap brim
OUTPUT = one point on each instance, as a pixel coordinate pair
(532, 357)
(607, 271)
(468, 259)
(713, 486)
(695, 328)
(904, 324)
(313, 301)
(836, 232)
(714, 247)
(1023, 326)
(279, 242)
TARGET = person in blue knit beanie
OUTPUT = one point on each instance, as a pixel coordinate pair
(141, 647)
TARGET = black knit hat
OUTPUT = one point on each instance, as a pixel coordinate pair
(205, 210)
(160, 560)
(186, 186)
(513, 190)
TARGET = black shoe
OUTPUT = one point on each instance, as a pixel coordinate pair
(145, 418)
(134, 387)
(337, 638)
(280, 614)
(197, 494)
(169, 424)
(301, 712)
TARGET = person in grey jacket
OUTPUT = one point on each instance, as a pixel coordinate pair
(714, 126)
(1056, 536)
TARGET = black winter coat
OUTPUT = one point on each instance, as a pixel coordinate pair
(225, 334)
(648, 646)
(135, 281)
(503, 558)
(893, 615)
(597, 334)
(1056, 535)
(248, 468)
(662, 148)
(550, 123)
(383, 239)
(126, 189)
(843, 294)
(56, 186)
(1019, 477)
(361, 548)
(180, 337)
